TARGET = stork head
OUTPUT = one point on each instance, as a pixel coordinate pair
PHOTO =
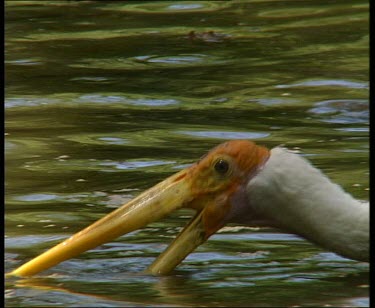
(215, 187)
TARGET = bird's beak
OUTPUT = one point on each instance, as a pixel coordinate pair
(210, 187)
(194, 234)
(155, 203)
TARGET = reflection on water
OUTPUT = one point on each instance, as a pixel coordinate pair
(105, 99)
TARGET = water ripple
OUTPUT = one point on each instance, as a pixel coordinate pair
(29, 102)
(138, 101)
(69, 165)
(133, 164)
(179, 59)
(165, 7)
(25, 62)
(224, 134)
(327, 82)
(342, 111)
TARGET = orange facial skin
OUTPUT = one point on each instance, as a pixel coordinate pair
(212, 189)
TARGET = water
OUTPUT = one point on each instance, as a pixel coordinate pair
(104, 100)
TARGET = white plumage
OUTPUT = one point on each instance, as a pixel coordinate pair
(293, 194)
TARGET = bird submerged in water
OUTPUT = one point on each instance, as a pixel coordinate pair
(236, 182)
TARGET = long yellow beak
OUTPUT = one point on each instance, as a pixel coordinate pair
(150, 206)
(208, 186)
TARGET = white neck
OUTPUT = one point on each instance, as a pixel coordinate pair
(293, 194)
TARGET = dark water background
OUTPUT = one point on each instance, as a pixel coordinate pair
(105, 99)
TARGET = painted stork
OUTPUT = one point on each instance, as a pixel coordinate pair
(236, 182)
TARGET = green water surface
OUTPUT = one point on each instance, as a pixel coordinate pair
(104, 99)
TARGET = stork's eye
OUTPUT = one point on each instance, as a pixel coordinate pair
(221, 166)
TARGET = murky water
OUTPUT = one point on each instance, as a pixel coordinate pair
(103, 100)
